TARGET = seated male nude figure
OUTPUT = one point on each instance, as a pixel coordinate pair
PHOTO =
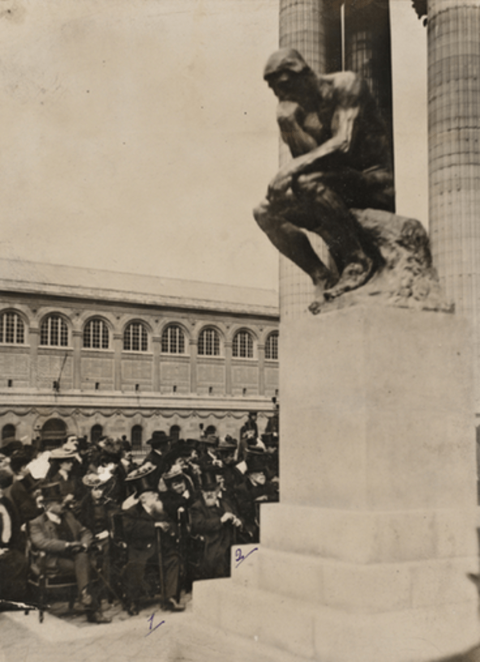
(341, 161)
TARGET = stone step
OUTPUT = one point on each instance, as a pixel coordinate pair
(316, 632)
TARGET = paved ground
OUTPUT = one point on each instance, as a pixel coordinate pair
(69, 637)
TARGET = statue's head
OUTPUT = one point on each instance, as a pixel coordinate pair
(283, 71)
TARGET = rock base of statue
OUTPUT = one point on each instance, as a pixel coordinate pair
(366, 557)
(404, 276)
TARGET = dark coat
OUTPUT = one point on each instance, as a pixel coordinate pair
(17, 538)
(218, 537)
(23, 501)
(44, 536)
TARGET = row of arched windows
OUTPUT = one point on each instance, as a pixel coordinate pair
(97, 431)
(96, 335)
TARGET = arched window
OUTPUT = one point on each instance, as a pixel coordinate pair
(175, 432)
(136, 437)
(208, 343)
(54, 431)
(12, 329)
(173, 340)
(271, 346)
(54, 332)
(95, 334)
(242, 346)
(96, 432)
(135, 337)
(8, 431)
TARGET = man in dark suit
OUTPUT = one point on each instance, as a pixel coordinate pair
(146, 525)
(160, 444)
(13, 564)
(66, 543)
(214, 518)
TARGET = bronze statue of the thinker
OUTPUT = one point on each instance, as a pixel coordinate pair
(341, 161)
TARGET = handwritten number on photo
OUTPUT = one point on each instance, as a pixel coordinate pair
(240, 558)
(151, 628)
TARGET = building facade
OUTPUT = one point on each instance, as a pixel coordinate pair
(94, 352)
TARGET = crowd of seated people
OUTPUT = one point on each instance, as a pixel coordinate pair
(132, 529)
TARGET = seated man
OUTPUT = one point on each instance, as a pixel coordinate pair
(65, 541)
(144, 524)
(13, 564)
(255, 489)
(214, 518)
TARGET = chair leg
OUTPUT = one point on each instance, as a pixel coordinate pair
(41, 597)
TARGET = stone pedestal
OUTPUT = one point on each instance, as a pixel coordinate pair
(366, 557)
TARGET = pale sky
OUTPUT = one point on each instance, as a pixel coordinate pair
(137, 135)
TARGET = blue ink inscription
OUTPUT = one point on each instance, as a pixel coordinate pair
(151, 628)
(240, 558)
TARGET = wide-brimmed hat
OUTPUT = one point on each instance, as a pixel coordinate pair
(63, 455)
(208, 480)
(51, 492)
(209, 440)
(174, 473)
(159, 438)
(9, 446)
(227, 445)
(142, 479)
(256, 461)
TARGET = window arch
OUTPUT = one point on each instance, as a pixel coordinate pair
(175, 432)
(136, 437)
(242, 345)
(96, 335)
(271, 346)
(12, 329)
(54, 332)
(209, 342)
(173, 340)
(8, 431)
(135, 337)
(96, 433)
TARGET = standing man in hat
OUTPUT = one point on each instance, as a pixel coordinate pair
(66, 543)
(160, 445)
(23, 491)
(215, 519)
(141, 523)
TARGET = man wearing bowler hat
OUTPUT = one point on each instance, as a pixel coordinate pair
(66, 543)
(141, 524)
(215, 519)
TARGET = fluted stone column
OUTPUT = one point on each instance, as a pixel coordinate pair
(313, 27)
(454, 155)
(301, 27)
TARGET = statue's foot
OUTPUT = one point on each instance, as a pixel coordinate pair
(320, 288)
(353, 276)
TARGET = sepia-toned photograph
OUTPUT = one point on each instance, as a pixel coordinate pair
(223, 220)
